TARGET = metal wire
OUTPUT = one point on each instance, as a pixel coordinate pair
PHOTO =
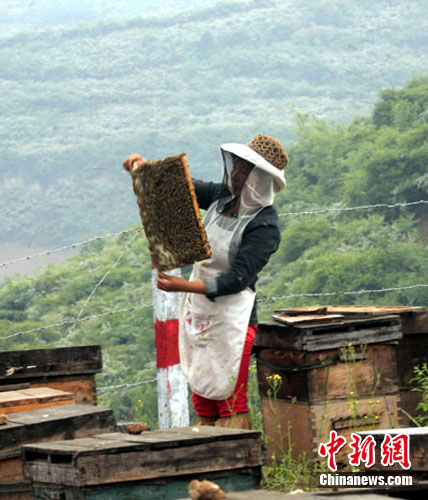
(67, 247)
(304, 212)
(70, 321)
(262, 299)
(349, 209)
(100, 282)
(106, 387)
(326, 294)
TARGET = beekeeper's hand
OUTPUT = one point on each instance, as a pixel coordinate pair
(133, 160)
(169, 283)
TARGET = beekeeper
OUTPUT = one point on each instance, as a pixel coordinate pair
(218, 316)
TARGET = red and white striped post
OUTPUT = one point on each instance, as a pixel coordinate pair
(173, 409)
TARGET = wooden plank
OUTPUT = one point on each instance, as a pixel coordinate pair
(309, 319)
(367, 330)
(11, 470)
(14, 387)
(413, 319)
(55, 423)
(354, 324)
(20, 490)
(117, 441)
(375, 373)
(302, 310)
(146, 464)
(356, 337)
(30, 399)
(284, 420)
(414, 323)
(278, 337)
(83, 389)
(36, 363)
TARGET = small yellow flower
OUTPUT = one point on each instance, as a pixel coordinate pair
(376, 416)
(350, 344)
(366, 416)
(351, 393)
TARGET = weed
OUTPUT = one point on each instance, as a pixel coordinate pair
(420, 378)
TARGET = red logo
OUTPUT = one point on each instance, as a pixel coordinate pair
(396, 449)
(331, 448)
(393, 450)
(364, 450)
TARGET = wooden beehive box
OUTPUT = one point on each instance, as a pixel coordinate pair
(69, 369)
(170, 213)
(327, 380)
(46, 424)
(412, 349)
(153, 465)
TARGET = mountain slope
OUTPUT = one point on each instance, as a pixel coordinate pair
(75, 100)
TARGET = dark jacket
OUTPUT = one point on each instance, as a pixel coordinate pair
(260, 240)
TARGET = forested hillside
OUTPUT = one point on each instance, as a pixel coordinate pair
(103, 294)
(75, 99)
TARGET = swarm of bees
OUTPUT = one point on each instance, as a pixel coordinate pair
(170, 213)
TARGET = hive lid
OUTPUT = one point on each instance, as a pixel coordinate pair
(308, 319)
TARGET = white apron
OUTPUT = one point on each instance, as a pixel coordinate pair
(212, 334)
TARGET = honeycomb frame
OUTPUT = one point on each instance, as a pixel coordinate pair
(170, 212)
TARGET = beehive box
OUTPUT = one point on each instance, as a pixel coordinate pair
(314, 377)
(412, 349)
(153, 465)
(170, 213)
(45, 424)
(69, 369)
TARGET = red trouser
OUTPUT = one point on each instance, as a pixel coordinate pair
(237, 402)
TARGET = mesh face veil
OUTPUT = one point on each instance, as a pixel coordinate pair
(262, 183)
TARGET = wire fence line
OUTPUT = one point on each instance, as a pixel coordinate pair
(329, 294)
(304, 212)
(99, 283)
(71, 321)
(67, 247)
(350, 209)
(261, 299)
(122, 386)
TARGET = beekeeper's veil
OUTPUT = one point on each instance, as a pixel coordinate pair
(266, 178)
